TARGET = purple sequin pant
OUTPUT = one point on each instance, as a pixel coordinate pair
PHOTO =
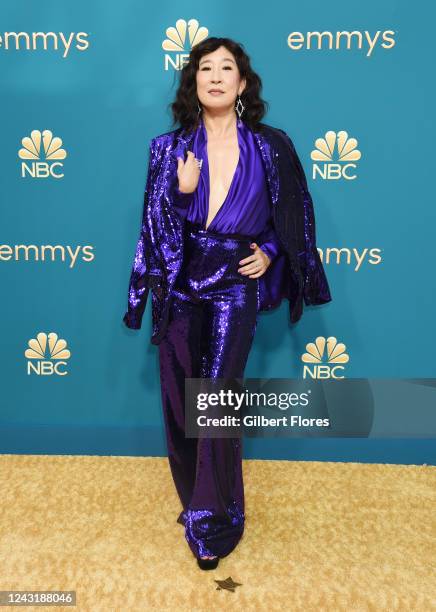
(211, 327)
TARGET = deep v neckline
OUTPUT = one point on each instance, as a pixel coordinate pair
(208, 174)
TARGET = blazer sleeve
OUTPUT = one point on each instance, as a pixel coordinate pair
(316, 288)
(181, 201)
(268, 242)
(138, 284)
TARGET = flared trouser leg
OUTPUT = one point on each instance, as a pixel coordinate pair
(211, 326)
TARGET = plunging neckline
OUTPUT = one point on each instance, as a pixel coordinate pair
(208, 174)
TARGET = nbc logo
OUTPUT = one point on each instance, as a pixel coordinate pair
(41, 364)
(176, 42)
(347, 153)
(330, 352)
(43, 152)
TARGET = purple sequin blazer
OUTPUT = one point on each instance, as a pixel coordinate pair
(296, 274)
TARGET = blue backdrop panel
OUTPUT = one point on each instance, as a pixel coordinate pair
(86, 86)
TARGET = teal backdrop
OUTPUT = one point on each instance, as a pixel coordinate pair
(105, 96)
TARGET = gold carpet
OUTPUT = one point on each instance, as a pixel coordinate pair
(318, 536)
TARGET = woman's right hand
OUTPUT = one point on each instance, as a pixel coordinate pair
(188, 173)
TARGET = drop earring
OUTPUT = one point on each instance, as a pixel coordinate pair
(239, 107)
(199, 108)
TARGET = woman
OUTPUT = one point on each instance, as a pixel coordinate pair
(228, 230)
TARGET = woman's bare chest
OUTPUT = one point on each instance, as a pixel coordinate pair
(223, 159)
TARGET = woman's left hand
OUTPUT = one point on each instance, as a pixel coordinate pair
(256, 264)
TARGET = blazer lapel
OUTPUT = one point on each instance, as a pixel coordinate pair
(183, 141)
(269, 154)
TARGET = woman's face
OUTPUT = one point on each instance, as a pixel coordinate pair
(218, 70)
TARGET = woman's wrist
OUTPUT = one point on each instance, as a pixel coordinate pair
(180, 188)
(181, 200)
(269, 249)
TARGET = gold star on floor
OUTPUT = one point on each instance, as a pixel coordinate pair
(228, 584)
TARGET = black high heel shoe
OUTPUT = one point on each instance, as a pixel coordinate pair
(208, 564)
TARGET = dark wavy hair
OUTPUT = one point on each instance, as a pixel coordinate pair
(184, 108)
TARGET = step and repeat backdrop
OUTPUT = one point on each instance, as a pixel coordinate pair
(84, 88)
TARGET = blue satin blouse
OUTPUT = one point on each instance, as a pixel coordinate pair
(247, 207)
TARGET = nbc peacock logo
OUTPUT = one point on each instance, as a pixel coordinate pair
(180, 40)
(336, 155)
(47, 355)
(41, 155)
(326, 358)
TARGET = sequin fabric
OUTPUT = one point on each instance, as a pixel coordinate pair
(204, 531)
(295, 274)
(211, 326)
